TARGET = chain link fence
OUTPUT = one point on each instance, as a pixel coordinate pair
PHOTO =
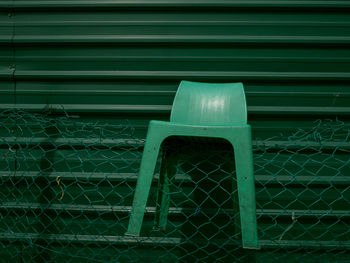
(66, 188)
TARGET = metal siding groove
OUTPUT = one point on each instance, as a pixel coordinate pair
(179, 3)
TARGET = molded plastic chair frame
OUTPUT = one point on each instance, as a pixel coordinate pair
(238, 135)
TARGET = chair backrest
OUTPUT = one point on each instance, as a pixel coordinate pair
(209, 104)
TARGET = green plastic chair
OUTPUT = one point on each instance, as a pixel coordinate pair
(213, 110)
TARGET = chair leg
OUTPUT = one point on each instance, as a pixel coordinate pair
(163, 190)
(237, 221)
(144, 181)
(246, 188)
(166, 178)
(160, 191)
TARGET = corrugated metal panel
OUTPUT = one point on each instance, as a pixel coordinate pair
(111, 60)
(129, 56)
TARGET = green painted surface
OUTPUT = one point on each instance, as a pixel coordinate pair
(112, 60)
(104, 56)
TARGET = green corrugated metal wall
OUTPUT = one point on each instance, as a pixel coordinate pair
(111, 60)
(129, 56)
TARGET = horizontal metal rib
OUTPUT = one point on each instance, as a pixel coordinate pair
(108, 108)
(174, 3)
(165, 241)
(136, 142)
(172, 210)
(132, 177)
(178, 75)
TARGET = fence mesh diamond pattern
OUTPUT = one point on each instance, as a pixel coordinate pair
(66, 188)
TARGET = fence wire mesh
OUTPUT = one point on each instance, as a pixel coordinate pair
(66, 188)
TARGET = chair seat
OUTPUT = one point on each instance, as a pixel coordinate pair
(178, 129)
